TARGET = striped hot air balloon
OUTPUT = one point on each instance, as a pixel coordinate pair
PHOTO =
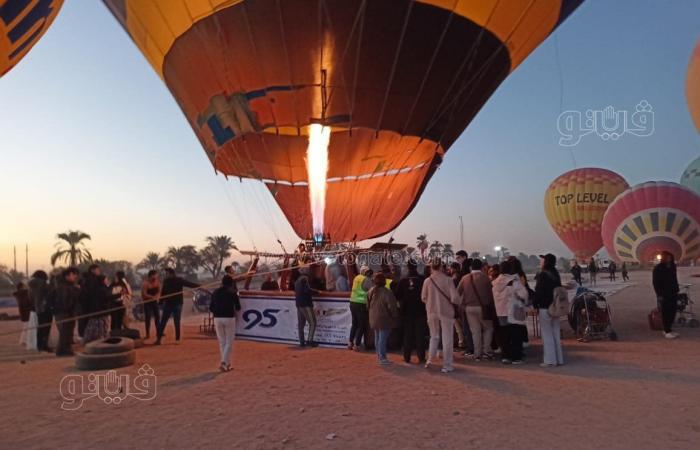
(575, 203)
(692, 85)
(22, 23)
(396, 80)
(650, 218)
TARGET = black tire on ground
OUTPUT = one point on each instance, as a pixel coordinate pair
(109, 346)
(85, 361)
(131, 333)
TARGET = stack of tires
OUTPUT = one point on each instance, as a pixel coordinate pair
(106, 354)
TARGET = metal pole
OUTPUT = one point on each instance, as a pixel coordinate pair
(461, 233)
(26, 260)
(14, 250)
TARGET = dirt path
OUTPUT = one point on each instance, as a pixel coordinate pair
(639, 393)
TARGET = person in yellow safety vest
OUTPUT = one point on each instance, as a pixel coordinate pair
(358, 307)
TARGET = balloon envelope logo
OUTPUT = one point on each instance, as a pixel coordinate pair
(575, 203)
(650, 218)
(22, 23)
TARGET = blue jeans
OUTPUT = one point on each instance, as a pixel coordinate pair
(174, 310)
(380, 341)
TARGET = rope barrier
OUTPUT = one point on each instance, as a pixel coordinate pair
(114, 309)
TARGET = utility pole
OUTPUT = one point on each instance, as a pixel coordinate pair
(461, 233)
(26, 260)
(14, 250)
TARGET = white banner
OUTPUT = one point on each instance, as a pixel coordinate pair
(273, 318)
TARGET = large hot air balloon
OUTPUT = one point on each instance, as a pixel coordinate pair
(22, 23)
(692, 85)
(575, 203)
(650, 218)
(397, 82)
(691, 176)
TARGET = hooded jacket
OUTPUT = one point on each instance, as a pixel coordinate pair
(440, 295)
(505, 289)
(383, 309)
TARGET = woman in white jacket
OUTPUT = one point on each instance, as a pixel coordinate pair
(440, 297)
(508, 293)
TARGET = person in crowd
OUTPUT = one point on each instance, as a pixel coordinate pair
(101, 300)
(89, 290)
(171, 296)
(454, 271)
(67, 299)
(413, 316)
(269, 284)
(665, 281)
(25, 306)
(120, 287)
(576, 273)
(440, 297)
(477, 298)
(224, 305)
(624, 272)
(341, 281)
(612, 269)
(150, 294)
(547, 280)
(507, 289)
(494, 272)
(383, 315)
(316, 280)
(593, 271)
(518, 270)
(358, 307)
(39, 295)
(465, 262)
(303, 298)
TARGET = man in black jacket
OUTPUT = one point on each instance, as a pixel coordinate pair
(665, 282)
(224, 304)
(171, 295)
(39, 293)
(67, 297)
(414, 318)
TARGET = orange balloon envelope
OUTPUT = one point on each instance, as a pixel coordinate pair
(22, 23)
(692, 85)
(397, 82)
(575, 204)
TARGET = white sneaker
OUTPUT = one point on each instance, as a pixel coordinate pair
(674, 333)
(447, 369)
(670, 335)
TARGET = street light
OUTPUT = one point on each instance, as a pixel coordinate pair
(498, 249)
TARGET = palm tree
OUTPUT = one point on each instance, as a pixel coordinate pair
(447, 251)
(435, 249)
(422, 244)
(152, 261)
(184, 259)
(219, 250)
(76, 252)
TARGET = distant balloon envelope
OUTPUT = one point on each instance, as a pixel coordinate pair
(22, 23)
(650, 218)
(692, 86)
(397, 82)
(575, 203)
(691, 176)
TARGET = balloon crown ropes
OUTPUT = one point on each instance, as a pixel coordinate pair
(22, 23)
(575, 203)
(396, 81)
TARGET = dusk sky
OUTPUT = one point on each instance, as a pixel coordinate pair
(91, 139)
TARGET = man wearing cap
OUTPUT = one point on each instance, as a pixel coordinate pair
(358, 307)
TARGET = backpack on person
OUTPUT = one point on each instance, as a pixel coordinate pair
(560, 302)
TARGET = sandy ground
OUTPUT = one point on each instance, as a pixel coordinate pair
(639, 393)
